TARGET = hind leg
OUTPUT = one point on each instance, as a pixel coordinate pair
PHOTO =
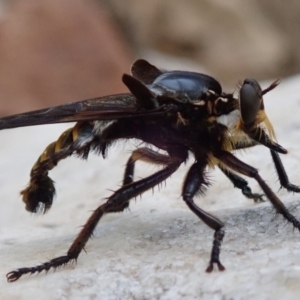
(117, 202)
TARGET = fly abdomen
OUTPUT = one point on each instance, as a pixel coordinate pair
(38, 196)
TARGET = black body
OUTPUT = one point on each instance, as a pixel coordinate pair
(181, 113)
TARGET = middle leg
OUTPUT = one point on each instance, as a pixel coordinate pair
(145, 155)
(194, 183)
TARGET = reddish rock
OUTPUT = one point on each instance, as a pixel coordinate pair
(57, 51)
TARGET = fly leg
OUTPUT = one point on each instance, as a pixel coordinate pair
(115, 203)
(237, 165)
(283, 178)
(194, 183)
(282, 175)
(145, 155)
(242, 184)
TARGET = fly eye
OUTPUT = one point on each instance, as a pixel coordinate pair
(250, 100)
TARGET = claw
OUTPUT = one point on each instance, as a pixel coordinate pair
(211, 267)
(215, 252)
(13, 275)
(258, 198)
(220, 266)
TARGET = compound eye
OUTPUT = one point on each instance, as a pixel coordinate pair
(250, 100)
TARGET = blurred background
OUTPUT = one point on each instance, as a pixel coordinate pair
(57, 51)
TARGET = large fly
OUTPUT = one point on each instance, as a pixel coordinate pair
(183, 113)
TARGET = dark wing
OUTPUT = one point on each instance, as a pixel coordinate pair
(141, 103)
(111, 107)
(145, 72)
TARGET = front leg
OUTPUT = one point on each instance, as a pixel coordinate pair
(242, 184)
(146, 155)
(283, 178)
(239, 166)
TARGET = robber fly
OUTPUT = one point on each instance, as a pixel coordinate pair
(181, 113)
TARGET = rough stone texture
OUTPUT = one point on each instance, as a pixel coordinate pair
(56, 51)
(232, 39)
(158, 249)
